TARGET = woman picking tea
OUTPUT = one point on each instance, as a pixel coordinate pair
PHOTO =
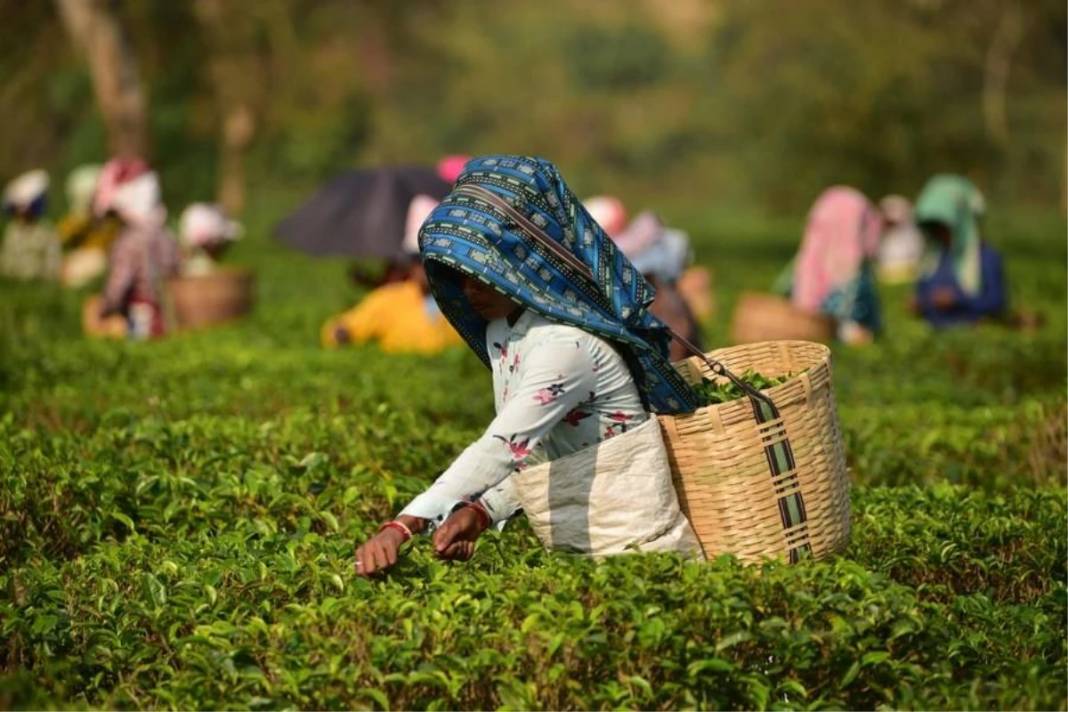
(560, 317)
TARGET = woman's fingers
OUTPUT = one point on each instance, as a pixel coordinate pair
(381, 555)
(458, 551)
(448, 552)
(444, 537)
(377, 554)
(368, 564)
(362, 560)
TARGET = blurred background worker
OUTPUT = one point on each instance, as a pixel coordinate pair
(86, 237)
(145, 254)
(901, 246)
(662, 255)
(962, 278)
(833, 271)
(400, 314)
(31, 248)
(206, 233)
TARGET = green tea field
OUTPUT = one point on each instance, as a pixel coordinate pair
(178, 519)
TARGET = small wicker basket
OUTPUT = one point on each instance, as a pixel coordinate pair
(111, 327)
(777, 488)
(768, 317)
(213, 298)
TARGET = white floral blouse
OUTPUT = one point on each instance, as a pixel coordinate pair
(557, 390)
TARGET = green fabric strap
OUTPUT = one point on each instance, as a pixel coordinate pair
(780, 458)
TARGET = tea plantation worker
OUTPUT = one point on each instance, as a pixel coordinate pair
(683, 294)
(86, 237)
(833, 272)
(962, 278)
(609, 212)
(31, 248)
(559, 316)
(206, 233)
(400, 315)
(75, 226)
(451, 166)
(144, 256)
(901, 246)
(661, 255)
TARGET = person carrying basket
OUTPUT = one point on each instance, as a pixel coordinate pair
(560, 317)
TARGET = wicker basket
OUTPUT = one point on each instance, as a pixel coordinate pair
(724, 461)
(767, 317)
(112, 327)
(214, 298)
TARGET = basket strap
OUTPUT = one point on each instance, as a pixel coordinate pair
(779, 454)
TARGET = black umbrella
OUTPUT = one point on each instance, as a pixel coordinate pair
(360, 213)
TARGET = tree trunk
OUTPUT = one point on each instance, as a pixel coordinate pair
(1006, 40)
(237, 82)
(94, 28)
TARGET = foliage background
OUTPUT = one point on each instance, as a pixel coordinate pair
(177, 522)
(718, 101)
(177, 518)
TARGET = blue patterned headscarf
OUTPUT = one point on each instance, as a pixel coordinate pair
(512, 223)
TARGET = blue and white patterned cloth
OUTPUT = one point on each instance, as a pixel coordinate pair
(513, 223)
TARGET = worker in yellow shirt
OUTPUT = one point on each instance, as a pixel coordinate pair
(400, 315)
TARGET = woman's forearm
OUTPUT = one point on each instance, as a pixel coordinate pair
(417, 525)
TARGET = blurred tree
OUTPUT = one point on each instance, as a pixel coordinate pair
(883, 93)
(999, 56)
(236, 72)
(619, 59)
(662, 101)
(98, 32)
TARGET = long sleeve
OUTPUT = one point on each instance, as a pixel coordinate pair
(360, 323)
(9, 251)
(557, 375)
(364, 321)
(122, 273)
(988, 302)
(501, 501)
(53, 254)
(991, 297)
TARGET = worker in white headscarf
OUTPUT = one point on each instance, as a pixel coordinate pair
(144, 256)
(31, 248)
(609, 212)
(206, 233)
(662, 255)
(901, 247)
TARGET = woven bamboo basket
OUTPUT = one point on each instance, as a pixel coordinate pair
(214, 298)
(768, 317)
(112, 327)
(722, 458)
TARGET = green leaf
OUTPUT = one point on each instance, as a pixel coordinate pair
(874, 658)
(851, 674)
(124, 520)
(729, 641)
(330, 519)
(337, 582)
(695, 669)
(376, 696)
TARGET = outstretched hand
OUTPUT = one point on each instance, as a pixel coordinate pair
(455, 539)
(944, 298)
(379, 552)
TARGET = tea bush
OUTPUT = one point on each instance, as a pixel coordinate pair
(177, 521)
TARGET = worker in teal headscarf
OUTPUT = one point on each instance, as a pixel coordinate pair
(961, 279)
